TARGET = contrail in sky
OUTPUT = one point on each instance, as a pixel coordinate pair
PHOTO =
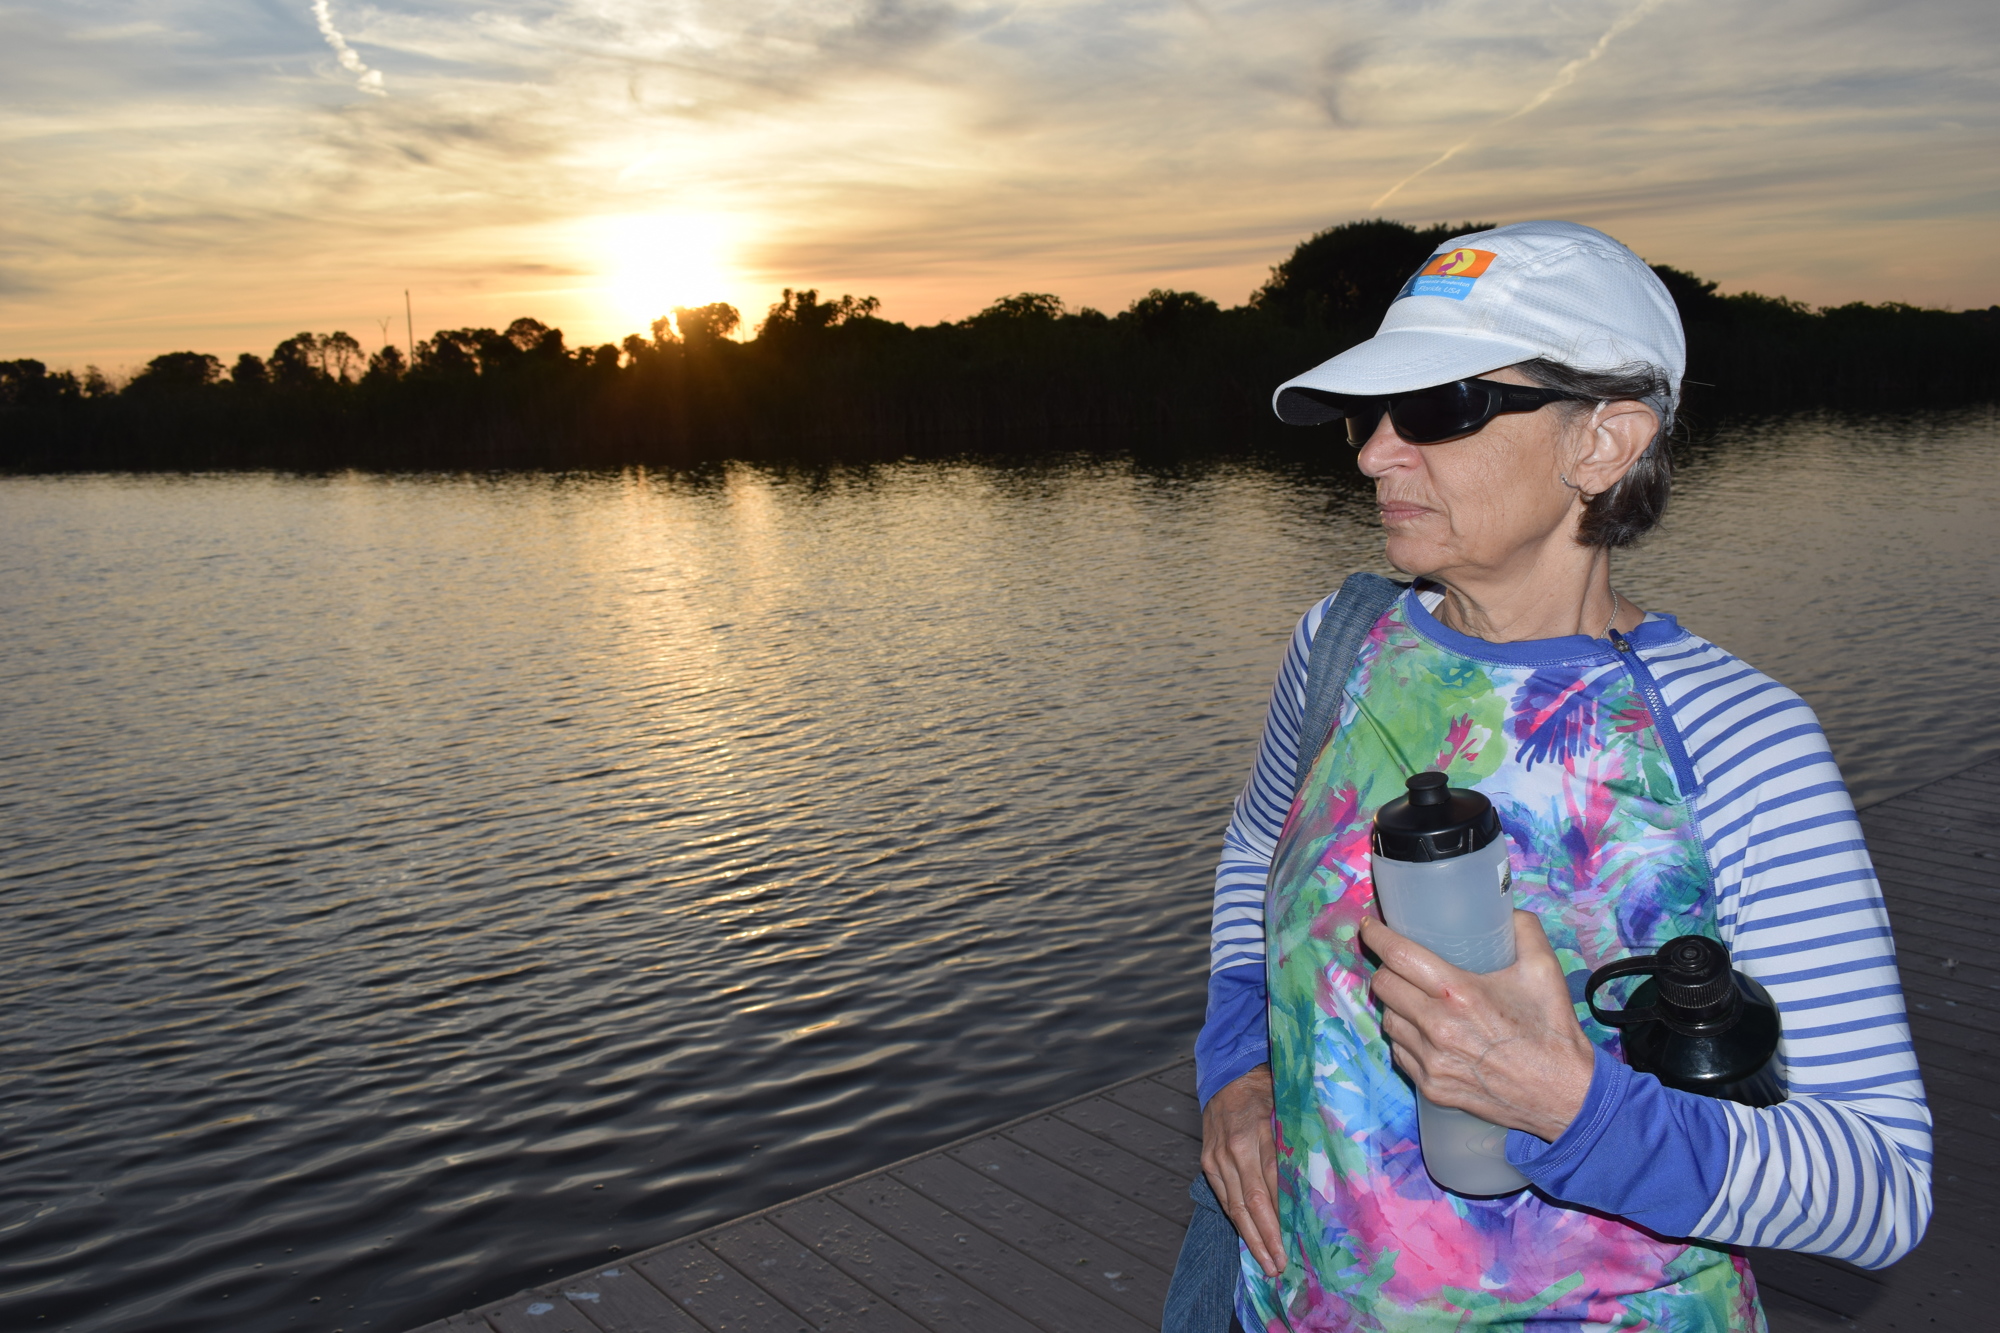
(1563, 79)
(370, 80)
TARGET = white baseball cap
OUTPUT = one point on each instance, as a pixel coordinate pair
(1554, 290)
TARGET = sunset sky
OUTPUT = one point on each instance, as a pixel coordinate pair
(218, 174)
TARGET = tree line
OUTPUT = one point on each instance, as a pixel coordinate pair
(831, 379)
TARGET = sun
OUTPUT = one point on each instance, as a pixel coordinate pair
(653, 262)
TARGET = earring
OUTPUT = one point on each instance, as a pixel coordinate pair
(1564, 478)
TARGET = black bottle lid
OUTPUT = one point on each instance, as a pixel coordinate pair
(1694, 989)
(1435, 822)
(1694, 979)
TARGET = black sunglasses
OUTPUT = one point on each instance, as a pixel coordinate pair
(1439, 413)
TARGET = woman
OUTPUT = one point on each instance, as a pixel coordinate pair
(1513, 411)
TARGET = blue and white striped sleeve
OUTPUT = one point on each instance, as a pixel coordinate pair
(1234, 1038)
(1843, 1167)
(1236, 932)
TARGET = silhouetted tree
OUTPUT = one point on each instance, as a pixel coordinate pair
(537, 341)
(1022, 307)
(803, 313)
(176, 372)
(28, 383)
(705, 325)
(454, 352)
(1349, 274)
(296, 363)
(387, 364)
(248, 371)
(1169, 314)
(1694, 297)
(341, 357)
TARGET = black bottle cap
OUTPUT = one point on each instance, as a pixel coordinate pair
(1694, 979)
(1434, 822)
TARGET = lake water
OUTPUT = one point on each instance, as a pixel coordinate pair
(415, 887)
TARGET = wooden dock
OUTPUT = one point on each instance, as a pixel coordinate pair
(1070, 1219)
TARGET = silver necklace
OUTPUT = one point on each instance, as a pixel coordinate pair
(1612, 623)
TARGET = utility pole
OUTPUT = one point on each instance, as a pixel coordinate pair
(410, 325)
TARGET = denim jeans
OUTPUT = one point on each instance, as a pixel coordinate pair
(1202, 1296)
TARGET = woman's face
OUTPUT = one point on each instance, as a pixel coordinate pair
(1476, 505)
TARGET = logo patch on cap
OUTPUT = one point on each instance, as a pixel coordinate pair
(1449, 273)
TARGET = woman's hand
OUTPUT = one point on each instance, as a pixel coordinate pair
(1503, 1045)
(1239, 1155)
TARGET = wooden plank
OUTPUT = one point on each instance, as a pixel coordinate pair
(1091, 1261)
(1958, 843)
(917, 1286)
(714, 1293)
(1944, 989)
(1030, 1289)
(1917, 868)
(1942, 911)
(539, 1311)
(1942, 813)
(1925, 855)
(1162, 1190)
(1180, 1078)
(1938, 905)
(1941, 1036)
(1963, 1035)
(1953, 923)
(1964, 1238)
(1824, 1283)
(1137, 1134)
(457, 1323)
(628, 1303)
(1963, 1137)
(1151, 1097)
(1901, 880)
(1938, 831)
(1982, 772)
(1970, 910)
(1969, 780)
(825, 1297)
(1926, 936)
(1971, 795)
(1946, 814)
(1917, 850)
(1132, 1228)
(1971, 1081)
(1785, 1313)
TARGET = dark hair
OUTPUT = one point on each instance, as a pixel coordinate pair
(1631, 508)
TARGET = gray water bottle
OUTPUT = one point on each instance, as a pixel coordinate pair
(1442, 879)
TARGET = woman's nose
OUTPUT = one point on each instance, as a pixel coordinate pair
(1386, 451)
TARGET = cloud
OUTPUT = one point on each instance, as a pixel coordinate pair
(1563, 79)
(369, 80)
(185, 164)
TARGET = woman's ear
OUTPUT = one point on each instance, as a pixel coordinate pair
(1609, 441)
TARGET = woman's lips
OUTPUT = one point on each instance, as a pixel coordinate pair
(1400, 511)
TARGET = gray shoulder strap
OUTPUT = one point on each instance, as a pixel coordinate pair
(1362, 600)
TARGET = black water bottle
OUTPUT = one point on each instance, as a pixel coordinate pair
(1696, 1024)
